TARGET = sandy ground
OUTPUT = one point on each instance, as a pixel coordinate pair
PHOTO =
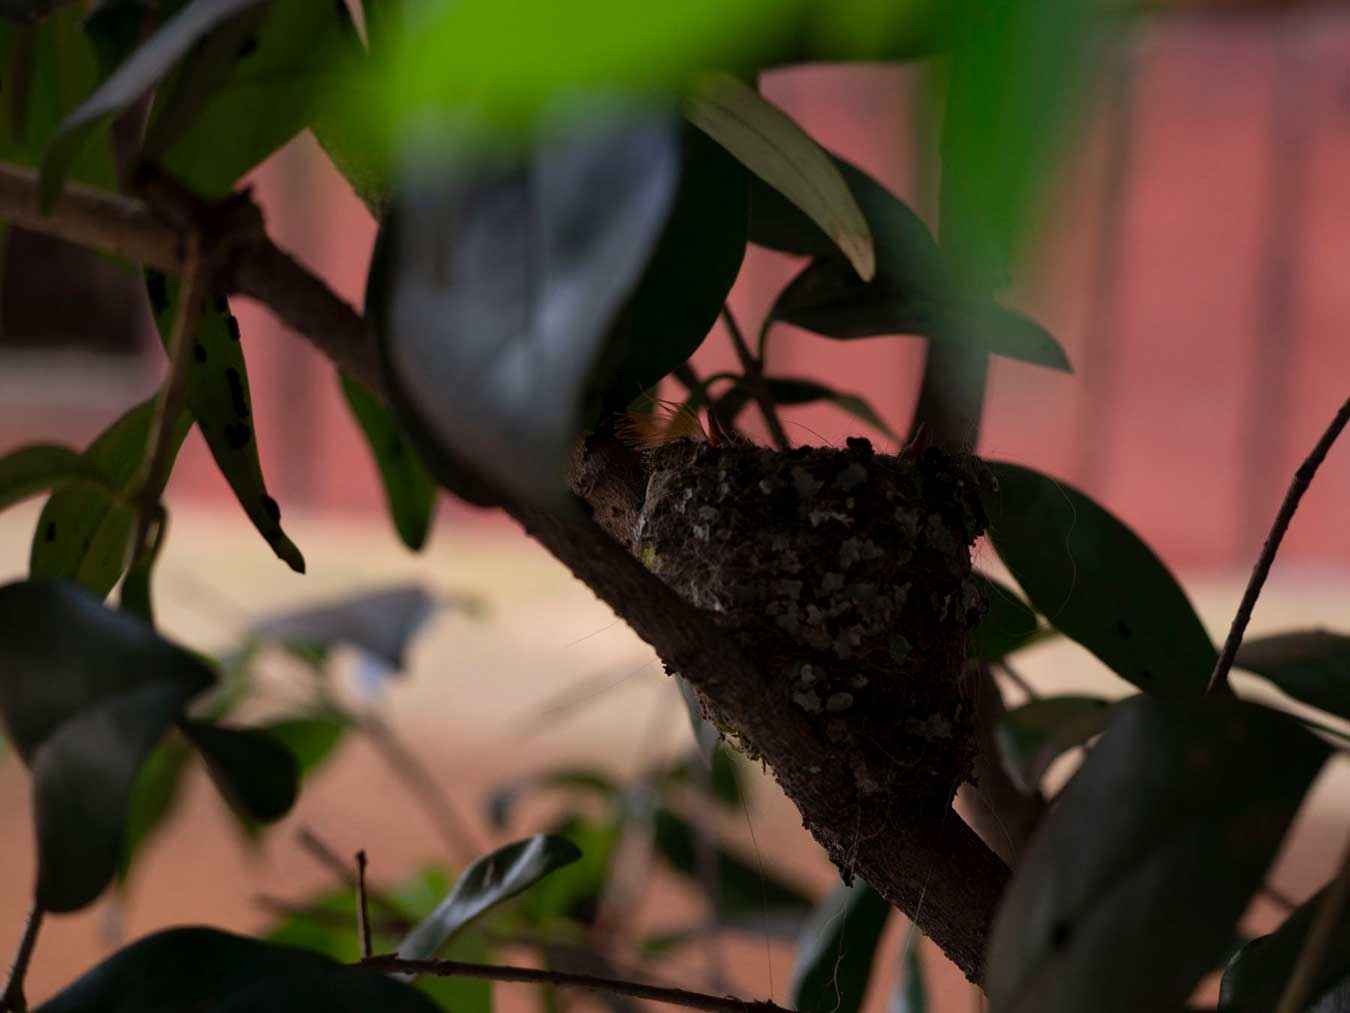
(480, 706)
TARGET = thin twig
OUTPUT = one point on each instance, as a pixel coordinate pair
(1303, 980)
(13, 999)
(1302, 480)
(452, 827)
(533, 976)
(754, 380)
(362, 914)
(326, 856)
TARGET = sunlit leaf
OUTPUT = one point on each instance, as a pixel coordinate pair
(837, 949)
(1031, 737)
(1122, 874)
(1096, 582)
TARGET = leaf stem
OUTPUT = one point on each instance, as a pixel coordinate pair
(362, 909)
(533, 976)
(13, 1000)
(754, 380)
(1303, 980)
(1302, 480)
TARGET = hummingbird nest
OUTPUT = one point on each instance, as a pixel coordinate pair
(849, 573)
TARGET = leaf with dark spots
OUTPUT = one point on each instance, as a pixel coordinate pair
(232, 326)
(199, 351)
(1088, 574)
(1122, 876)
(83, 531)
(37, 468)
(218, 397)
(157, 286)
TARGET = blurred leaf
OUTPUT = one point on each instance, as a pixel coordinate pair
(1031, 737)
(865, 30)
(216, 972)
(26, 10)
(274, 83)
(742, 887)
(706, 735)
(382, 623)
(1258, 974)
(37, 468)
(687, 279)
(1008, 626)
(83, 531)
(218, 397)
(408, 489)
(1122, 875)
(169, 44)
(721, 783)
(502, 802)
(494, 878)
(504, 278)
(310, 740)
(153, 798)
(135, 596)
(255, 772)
(1097, 583)
(837, 949)
(1312, 666)
(771, 144)
(797, 391)
(573, 894)
(911, 994)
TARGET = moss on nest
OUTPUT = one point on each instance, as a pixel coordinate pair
(849, 573)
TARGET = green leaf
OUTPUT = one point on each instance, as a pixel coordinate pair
(154, 796)
(169, 44)
(310, 740)
(770, 144)
(1259, 972)
(505, 276)
(83, 531)
(798, 391)
(136, 596)
(1031, 737)
(1122, 875)
(686, 281)
(255, 773)
(30, 470)
(408, 489)
(1097, 583)
(381, 623)
(1008, 626)
(837, 949)
(492, 879)
(742, 887)
(218, 397)
(215, 972)
(911, 994)
(274, 83)
(1310, 665)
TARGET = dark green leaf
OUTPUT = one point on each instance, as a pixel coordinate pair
(30, 470)
(255, 773)
(911, 994)
(1031, 737)
(1008, 626)
(772, 146)
(1310, 665)
(502, 802)
(494, 878)
(743, 887)
(506, 275)
(153, 797)
(573, 895)
(797, 391)
(215, 972)
(218, 397)
(382, 623)
(1123, 874)
(1258, 974)
(27, 10)
(1097, 583)
(136, 585)
(83, 531)
(408, 489)
(837, 948)
(310, 740)
(172, 41)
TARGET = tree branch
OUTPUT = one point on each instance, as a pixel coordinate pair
(532, 976)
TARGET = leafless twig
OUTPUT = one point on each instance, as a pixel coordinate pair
(362, 913)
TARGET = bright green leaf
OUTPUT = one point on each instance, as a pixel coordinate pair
(837, 949)
(30, 470)
(1031, 737)
(310, 740)
(1096, 582)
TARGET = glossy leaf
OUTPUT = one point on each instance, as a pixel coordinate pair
(1031, 737)
(1259, 972)
(1310, 665)
(1008, 626)
(505, 277)
(408, 490)
(1122, 875)
(215, 972)
(771, 144)
(492, 879)
(1096, 582)
(151, 61)
(382, 623)
(798, 391)
(911, 994)
(37, 468)
(255, 772)
(837, 949)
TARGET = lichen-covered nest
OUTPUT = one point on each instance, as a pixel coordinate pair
(849, 573)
